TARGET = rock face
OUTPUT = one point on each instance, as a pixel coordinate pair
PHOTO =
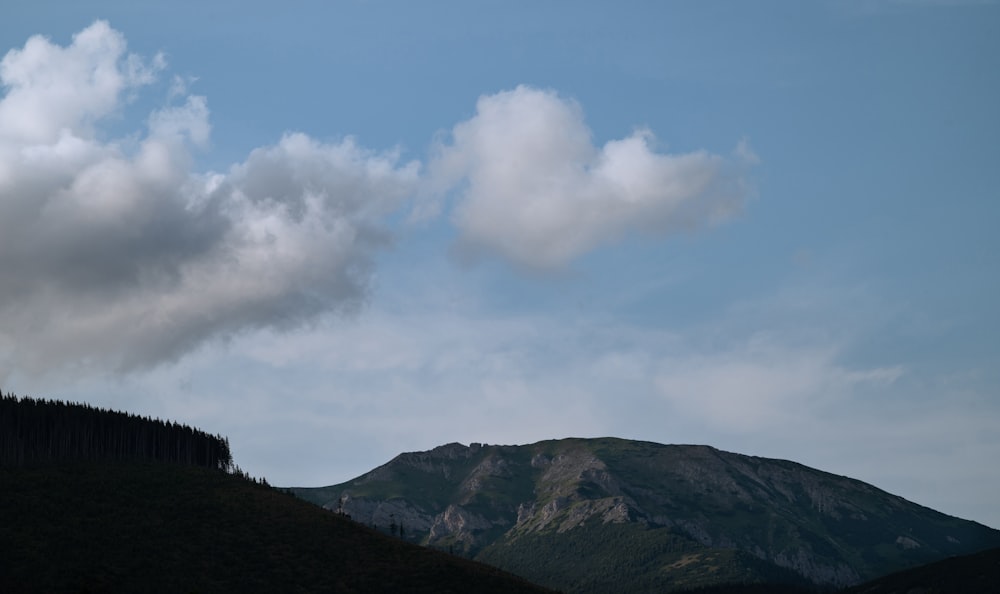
(509, 504)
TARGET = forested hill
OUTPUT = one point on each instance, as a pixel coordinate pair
(102, 501)
(37, 431)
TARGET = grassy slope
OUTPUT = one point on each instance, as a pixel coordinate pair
(167, 528)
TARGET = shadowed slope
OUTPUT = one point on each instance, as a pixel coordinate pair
(141, 527)
(969, 573)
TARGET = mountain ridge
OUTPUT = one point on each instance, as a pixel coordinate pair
(489, 500)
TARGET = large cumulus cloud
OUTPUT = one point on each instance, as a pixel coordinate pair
(535, 190)
(117, 253)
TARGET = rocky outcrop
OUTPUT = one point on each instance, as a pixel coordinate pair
(382, 513)
(457, 525)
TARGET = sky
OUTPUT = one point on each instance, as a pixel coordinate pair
(338, 231)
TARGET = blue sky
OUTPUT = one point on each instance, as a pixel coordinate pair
(335, 231)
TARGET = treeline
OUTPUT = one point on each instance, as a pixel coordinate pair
(33, 431)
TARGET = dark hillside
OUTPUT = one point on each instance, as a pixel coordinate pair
(144, 527)
(102, 501)
(968, 573)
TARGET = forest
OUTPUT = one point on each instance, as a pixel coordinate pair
(35, 431)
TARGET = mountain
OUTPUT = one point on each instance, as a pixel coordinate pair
(612, 515)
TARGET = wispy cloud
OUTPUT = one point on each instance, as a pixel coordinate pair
(763, 384)
(409, 380)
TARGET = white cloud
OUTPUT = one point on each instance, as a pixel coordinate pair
(52, 89)
(535, 190)
(119, 254)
